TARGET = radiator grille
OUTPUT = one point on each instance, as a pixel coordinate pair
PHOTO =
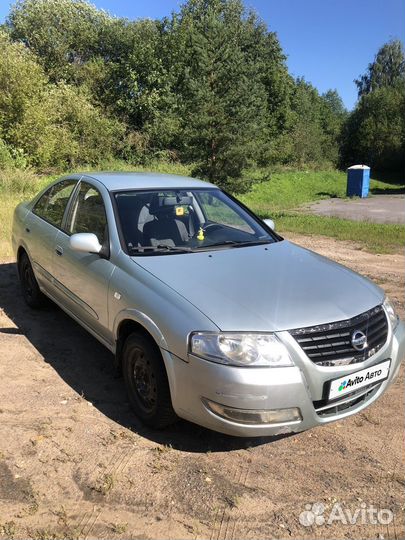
(331, 344)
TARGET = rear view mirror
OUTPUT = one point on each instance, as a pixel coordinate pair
(85, 243)
(270, 223)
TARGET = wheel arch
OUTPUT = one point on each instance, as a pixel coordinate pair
(20, 251)
(129, 321)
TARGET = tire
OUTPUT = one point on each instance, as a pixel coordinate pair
(146, 382)
(29, 285)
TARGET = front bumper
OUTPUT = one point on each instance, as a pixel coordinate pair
(301, 386)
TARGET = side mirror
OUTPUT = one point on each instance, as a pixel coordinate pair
(270, 223)
(85, 243)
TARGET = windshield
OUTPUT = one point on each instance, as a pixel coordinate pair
(175, 221)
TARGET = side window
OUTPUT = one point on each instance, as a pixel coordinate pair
(88, 213)
(51, 206)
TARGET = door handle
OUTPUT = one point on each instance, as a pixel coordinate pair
(59, 251)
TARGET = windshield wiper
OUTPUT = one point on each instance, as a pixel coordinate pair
(236, 243)
(184, 249)
(160, 247)
(253, 243)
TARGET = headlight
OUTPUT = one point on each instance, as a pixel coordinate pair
(240, 349)
(390, 311)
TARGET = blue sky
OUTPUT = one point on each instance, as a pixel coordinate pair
(329, 42)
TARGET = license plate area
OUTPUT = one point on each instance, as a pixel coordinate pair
(349, 384)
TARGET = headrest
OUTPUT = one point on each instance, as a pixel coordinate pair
(161, 204)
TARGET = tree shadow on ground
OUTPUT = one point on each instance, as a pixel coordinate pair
(87, 367)
(394, 178)
(328, 195)
(398, 190)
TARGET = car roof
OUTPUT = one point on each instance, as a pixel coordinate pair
(116, 181)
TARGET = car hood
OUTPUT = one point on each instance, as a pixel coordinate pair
(270, 287)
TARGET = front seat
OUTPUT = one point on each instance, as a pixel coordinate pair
(165, 228)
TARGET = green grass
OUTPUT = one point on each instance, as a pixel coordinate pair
(277, 196)
(289, 189)
(373, 237)
(281, 194)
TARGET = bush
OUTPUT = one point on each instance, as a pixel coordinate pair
(6, 159)
(65, 130)
(21, 81)
(12, 157)
(49, 125)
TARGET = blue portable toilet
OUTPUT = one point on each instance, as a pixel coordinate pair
(358, 181)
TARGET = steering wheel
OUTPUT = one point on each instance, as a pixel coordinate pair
(211, 226)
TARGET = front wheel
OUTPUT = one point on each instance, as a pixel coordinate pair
(146, 382)
(29, 285)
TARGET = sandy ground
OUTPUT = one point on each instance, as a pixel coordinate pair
(378, 208)
(74, 461)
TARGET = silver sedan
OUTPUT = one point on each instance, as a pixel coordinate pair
(211, 315)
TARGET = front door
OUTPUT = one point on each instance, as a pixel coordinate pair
(83, 278)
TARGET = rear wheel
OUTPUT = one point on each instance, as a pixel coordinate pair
(146, 381)
(29, 285)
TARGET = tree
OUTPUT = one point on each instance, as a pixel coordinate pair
(313, 126)
(375, 131)
(208, 85)
(263, 49)
(64, 34)
(332, 116)
(388, 69)
(223, 102)
(120, 62)
(306, 134)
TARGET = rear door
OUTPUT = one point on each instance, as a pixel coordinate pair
(83, 278)
(41, 228)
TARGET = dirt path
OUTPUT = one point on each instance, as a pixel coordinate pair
(74, 461)
(378, 208)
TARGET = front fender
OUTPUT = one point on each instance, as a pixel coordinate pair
(150, 326)
(142, 319)
(137, 295)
